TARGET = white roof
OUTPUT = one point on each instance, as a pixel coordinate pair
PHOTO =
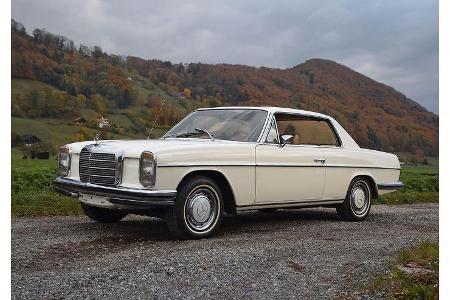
(273, 109)
(346, 139)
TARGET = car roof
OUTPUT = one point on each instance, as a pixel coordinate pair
(272, 109)
(346, 139)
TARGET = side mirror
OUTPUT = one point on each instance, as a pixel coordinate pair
(286, 138)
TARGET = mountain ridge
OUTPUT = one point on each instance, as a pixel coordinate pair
(375, 114)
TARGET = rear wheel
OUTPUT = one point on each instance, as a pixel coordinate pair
(103, 215)
(198, 209)
(357, 203)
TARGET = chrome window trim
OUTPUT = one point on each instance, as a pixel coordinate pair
(261, 134)
(306, 146)
(341, 143)
(257, 141)
(168, 131)
(266, 130)
(329, 122)
(272, 119)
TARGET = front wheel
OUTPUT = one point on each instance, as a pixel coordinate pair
(357, 203)
(198, 209)
(103, 215)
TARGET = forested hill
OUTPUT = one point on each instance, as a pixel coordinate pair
(73, 80)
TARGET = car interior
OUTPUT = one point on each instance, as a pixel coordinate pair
(306, 130)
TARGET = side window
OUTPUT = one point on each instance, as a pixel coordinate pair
(307, 130)
(272, 137)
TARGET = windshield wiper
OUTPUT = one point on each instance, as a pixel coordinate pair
(200, 130)
(184, 134)
(192, 133)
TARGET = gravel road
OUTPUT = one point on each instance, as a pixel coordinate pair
(305, 253)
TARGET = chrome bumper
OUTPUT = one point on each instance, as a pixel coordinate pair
(390, 186)
(137, 198)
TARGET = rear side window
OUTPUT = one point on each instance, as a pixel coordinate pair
(307, 130)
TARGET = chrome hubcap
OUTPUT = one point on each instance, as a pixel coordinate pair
(360, 198)
(201, 208)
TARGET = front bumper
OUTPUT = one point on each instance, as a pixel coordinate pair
(121, 196)
(390, 186)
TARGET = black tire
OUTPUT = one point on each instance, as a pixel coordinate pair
(354, 207)
(200, 193)
(103, 215)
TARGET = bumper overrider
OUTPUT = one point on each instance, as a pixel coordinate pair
(390, 186)
(129, 197)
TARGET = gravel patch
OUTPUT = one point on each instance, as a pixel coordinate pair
(305, 253)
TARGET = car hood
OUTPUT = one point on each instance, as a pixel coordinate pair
(134, 148)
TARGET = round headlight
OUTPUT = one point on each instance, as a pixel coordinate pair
(147, 169)
(64, 161)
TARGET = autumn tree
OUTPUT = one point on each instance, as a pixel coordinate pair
(18, 27)
(187, 93)
(98, 104)
(97, 52)
(82, 134)
(377, 116)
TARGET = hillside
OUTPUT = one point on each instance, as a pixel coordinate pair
(62, 81)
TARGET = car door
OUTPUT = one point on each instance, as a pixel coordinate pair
(292, 173)
(339, 172)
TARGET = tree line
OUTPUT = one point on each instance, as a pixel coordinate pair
(376, 115)
(83, 72)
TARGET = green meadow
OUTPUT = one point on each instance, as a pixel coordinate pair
(32, 188)
(421, 185)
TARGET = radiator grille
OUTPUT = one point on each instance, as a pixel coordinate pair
(98, 167)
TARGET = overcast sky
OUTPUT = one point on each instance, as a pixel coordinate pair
(394, 42)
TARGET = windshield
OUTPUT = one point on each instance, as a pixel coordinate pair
(243, 125)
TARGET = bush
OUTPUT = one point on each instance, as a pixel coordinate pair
(27, 180)
(420, 180)
(32, 194)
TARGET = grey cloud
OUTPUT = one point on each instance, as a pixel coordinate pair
(394, 42)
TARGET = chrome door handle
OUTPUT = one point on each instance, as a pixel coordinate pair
(322, 161)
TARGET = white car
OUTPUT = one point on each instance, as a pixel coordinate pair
(227, 159)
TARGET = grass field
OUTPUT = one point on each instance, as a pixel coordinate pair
(421, 185)
(33, 195)
(55, 132)
(32, 188)
(58, 133)
(413, 275)
(24, 86)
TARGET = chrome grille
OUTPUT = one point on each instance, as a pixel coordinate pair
(100, 165)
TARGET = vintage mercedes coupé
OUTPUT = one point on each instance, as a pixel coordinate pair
(227, 159)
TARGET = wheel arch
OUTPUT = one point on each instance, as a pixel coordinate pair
(371, 181)
(221, 180)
